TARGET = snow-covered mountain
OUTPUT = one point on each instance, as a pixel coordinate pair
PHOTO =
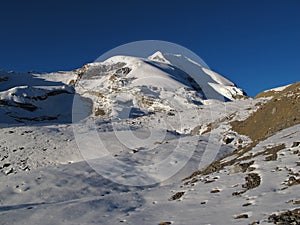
(157, 140)
(117, 87)
(163, 82)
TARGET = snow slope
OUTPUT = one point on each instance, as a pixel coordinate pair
(139, 141)
(215, 86)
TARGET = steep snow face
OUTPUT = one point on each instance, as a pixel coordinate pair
(147, 73)
(125, 86)
(214, 85)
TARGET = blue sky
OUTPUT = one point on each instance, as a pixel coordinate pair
(254, 43)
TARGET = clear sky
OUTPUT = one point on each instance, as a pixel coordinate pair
(256, 43)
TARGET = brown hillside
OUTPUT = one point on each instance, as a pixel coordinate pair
(281, 112)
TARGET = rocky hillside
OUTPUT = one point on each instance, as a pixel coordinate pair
(280, 112)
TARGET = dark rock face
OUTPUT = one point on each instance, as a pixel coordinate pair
(91, 72)
(295, 144)
(286, 218)
(176, 196)
(123, 71)
(242, 216)
(165, 223)
(252, 181)
(26, 106)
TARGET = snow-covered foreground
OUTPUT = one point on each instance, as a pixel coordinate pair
(75, 194)
(141, 130)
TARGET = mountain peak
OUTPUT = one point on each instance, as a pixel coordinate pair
(159, 57)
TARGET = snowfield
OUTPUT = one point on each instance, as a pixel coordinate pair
(145, 141)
